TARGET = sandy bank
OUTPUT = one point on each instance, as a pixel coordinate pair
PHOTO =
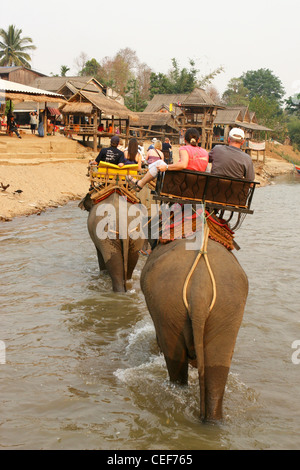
(48, 178)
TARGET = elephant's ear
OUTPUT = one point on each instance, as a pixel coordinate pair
(151, 229)
(86, 203)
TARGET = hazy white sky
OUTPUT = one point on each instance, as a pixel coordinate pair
(239, 36)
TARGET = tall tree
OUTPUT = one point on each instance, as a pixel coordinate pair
(270, 114)
(14, 47)
(133, 98)
(293, 105)
(263, 82)
(180, 80)
(91, 67)
(63, 70)
(236, 94)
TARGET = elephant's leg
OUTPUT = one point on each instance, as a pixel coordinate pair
(112, 257)
(215, 382)
(133, 257)
(115, 268)
(101, 262)
(218, 350)
(176, 357)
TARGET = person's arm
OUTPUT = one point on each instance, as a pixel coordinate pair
(139, 161)
(100, 156)
(180, 165)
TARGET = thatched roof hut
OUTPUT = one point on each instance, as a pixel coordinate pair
(165, 102)
(155, 124)
(85, 110)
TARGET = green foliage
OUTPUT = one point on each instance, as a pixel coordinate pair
(159, 84)
(294, 131)
(236, 93)
(293, 105)
(91, 68)
(9, 107)
(63, 70)
(261, 83)
(183, 80)
(269, 114)
(133, 99)
(267, 110)
(180, 80)
(13, 47)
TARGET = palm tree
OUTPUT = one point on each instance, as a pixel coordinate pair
(63, 70)
(13, 47)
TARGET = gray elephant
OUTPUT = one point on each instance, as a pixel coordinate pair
(190, 326)
(116, 254)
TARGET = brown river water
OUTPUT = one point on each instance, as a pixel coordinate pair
(79, 365)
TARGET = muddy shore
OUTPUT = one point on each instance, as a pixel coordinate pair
(53, 172)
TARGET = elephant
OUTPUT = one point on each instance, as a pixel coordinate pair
(192, 332)
(118, 255)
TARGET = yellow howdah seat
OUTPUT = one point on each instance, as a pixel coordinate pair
(108, 178)
(111, 171)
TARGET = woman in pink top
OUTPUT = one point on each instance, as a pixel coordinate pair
(155, 154)
(191, 157)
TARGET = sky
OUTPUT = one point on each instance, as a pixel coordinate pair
(239, 36)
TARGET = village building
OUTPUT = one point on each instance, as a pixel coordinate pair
(91, 114)
(20, 74)
(240, 116)
(195, 109)
(160, 124)
(14, 93)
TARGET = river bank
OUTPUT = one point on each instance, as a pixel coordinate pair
(38, 181)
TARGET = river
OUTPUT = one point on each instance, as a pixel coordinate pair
(79, 364)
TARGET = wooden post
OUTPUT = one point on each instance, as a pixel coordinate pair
(45, 121)
(95, 131)
(127, 132)
(203, 138)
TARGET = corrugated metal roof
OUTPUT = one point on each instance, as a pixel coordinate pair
(13, 87)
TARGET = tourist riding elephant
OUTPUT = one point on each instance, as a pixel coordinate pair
(191, 326)
(116, 254)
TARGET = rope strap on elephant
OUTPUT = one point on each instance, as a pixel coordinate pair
(219, 231)
(202, 252)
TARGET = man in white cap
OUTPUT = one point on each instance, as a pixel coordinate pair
(230, 160)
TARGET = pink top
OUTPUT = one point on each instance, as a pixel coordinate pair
(153, 155)
(198, 158)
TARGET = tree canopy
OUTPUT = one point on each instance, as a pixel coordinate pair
(263, 82)
(180, 80)
(14, 47)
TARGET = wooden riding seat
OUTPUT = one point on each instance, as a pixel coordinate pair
(216, 192)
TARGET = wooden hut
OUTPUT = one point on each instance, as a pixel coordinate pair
(240, 116)
(19, 93)
(156, 124)
(165, 103)
(20, 74)
(85, 111)
(198, 110)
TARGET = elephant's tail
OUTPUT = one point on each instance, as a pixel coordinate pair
(198, 334)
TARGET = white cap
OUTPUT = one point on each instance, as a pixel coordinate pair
(154, 139)
(237, 134)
